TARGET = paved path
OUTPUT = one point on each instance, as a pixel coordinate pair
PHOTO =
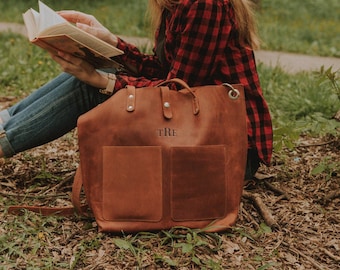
(290, 62)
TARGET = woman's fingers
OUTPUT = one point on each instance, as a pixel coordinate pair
(78, 17)
(80, 69)
(70, 59)
(88, 23)
(89, 29)
(68, 63)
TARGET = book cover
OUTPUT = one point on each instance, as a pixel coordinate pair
(48, 30)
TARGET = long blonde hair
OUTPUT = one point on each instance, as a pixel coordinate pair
(244, 16)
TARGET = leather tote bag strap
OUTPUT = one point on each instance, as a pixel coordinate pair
(81, 209)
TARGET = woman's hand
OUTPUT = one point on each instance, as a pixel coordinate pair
(80, 69)
(89, 24)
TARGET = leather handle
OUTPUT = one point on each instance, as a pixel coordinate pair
(44, 211)
(195, 102)
(59, 211)
(81, 209)
(176, 80)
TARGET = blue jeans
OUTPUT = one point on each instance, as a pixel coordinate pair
(46, 114)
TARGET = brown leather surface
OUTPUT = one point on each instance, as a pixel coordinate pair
(177, 158)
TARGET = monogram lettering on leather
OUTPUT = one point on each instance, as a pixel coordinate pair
(166, 132)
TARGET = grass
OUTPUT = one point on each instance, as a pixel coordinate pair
(309, 27)
(31, 236)
(302, 103)
(32, 66)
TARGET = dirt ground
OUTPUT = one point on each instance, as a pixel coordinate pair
(297, 226)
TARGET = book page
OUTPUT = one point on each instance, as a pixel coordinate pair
(36, 17)
(48, 17)
(31, 19)
(82, 37)
(51, 23)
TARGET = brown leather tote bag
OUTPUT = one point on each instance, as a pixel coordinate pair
(154, 158)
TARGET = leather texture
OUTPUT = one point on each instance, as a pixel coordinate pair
(154, 158)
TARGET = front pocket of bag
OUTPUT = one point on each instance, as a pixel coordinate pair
(198, 189)
(132, 183)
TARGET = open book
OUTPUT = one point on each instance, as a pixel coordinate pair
(53, 33)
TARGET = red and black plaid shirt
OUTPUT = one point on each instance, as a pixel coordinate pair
(201, 47)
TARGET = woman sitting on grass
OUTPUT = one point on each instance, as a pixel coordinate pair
(199, 41)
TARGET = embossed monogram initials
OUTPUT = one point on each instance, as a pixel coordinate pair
(166, 132)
